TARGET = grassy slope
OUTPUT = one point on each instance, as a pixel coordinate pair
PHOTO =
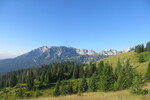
(120, 95)
(133, 59)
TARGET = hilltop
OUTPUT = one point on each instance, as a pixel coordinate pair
(134, 59)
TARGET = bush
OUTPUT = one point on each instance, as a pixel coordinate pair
(20, 93)
(144, 92)
(37, 94)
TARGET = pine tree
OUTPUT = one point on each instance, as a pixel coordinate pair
(81, 71)
(107, 78)
(118, 68)
(100, 68)
(57, 89)
(141, 59)
(125, 77)
(30, 81)
(13, 81)
(63, 89)
(87, 72)
(48, 78)
(148, 46)
(76, 72)
(93, 82)
(70, 88)
(147, 75)
(83, 85)
(137, 84)
(92, 69)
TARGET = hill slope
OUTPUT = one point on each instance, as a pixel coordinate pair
(134, 59)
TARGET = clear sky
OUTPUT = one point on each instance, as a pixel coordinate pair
(89, 24)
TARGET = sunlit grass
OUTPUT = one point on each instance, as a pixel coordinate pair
(120, 95)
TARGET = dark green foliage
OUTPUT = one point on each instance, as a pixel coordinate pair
(30, 81)
(148, 46)
(92, 69)
(37, 93)
(141, 59)
(64, 89)
(76, 72)
(137, 84)
(118, 68)
(93, 82)
(86, 72)
(139, 48)
(100, 68)
(125, 77)
(70, 88)
(147, 75)
(20, 93)
(81, 72)
(107, 78)
(83, 85)
(13, 81)
(57, 89)
(48, 78)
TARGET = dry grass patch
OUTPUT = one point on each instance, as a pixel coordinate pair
(120, 95)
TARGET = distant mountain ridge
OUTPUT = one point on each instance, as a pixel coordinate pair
(50, 54)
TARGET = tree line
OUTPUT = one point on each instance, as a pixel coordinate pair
(94, 76)
(140, 48)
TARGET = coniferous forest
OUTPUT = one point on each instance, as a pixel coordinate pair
(71, 78)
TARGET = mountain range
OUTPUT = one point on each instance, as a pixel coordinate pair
(50, 54)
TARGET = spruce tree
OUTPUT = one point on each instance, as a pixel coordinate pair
(147, 75)
(57, 89)
(76, 72)
(137, 84)
(107, 78)
(13, 81)
(93, 82)
(30, 81)
(64, 90)
(81, 71)
(48, 78)
(118, 68)
(148, 46)
(70, 88)
(141, 59)
(125, 77)
(83, 85)
(100, 68)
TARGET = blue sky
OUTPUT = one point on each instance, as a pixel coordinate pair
(89, 24)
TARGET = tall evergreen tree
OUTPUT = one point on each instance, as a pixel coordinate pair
(93, 82)
(141, 59)
(70, 88)
(125, 77)
(81, 72)
(92, 69)
(76, 72)
(107, 78)
(64, 90)
(48, 78)
(118, 68)
(148, 46)
(57, 89)
(137, 84)
(30, 81)
(147, 75)
(83, 85)
(13, 81)
(100, 68)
